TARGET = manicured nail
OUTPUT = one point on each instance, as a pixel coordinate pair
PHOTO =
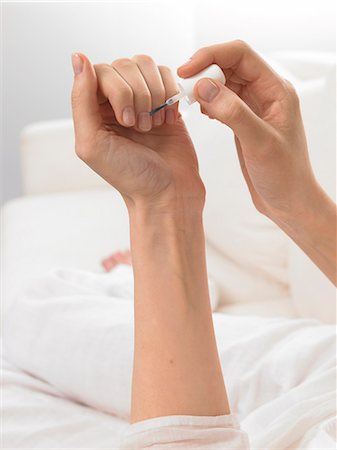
(128, 116)
(144, 121)
(77, 63)
(157, 118)
(170, 117)
(207, 90)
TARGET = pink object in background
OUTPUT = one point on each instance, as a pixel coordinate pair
(116, 258)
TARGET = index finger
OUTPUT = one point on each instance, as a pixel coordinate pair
(236, 57)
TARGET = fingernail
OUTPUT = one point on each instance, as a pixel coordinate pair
(170, 117)
(207, 90)
(185, 63)
(77, 63)
(157, 118)
(128, 116)
(144, 121)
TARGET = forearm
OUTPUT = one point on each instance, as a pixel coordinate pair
(176, 365)
(313, 229)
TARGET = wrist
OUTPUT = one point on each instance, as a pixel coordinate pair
(169, 208)
(168, 249)
(175, 200)
(300, 208)
(164, 225)
(305, 211)
(314, 231)
(167, 236)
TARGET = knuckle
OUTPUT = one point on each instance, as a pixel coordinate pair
(235, 112)
(241, 44)
(83, 153)
(122, 62)
(164, 69)
(102, 70)
(289, 85)
(291, 91)
(143, 59)
(99, 67)
(260, 207)
(78, 150)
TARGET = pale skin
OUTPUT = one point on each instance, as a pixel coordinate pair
(153, 164)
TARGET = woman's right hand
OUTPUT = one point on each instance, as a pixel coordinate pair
(263, 111)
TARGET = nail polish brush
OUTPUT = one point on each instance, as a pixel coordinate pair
(186, 86)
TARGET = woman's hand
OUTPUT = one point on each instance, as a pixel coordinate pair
(263, 111)
(151, 161)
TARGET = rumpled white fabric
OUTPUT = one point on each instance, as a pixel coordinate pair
(180, 432)
(74, 330)
(36, 415)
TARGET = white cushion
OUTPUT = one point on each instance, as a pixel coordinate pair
(49, 162)
(75, 230)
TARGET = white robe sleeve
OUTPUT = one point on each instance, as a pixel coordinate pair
(186, 432)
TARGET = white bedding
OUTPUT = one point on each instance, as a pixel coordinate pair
(37, 416)
(73, 329)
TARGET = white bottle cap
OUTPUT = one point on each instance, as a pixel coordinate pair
(186, 85)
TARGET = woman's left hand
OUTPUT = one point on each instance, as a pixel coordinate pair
(150, 161)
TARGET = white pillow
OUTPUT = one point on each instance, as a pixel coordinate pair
(48, 159)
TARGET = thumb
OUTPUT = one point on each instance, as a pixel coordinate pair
(85, 107)
(221, 103)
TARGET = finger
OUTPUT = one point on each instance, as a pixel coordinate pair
(155, 84)
(235, 55)
(117, 91)
(85, 107)
(130, 72)
(224, 105)
(171, 88)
